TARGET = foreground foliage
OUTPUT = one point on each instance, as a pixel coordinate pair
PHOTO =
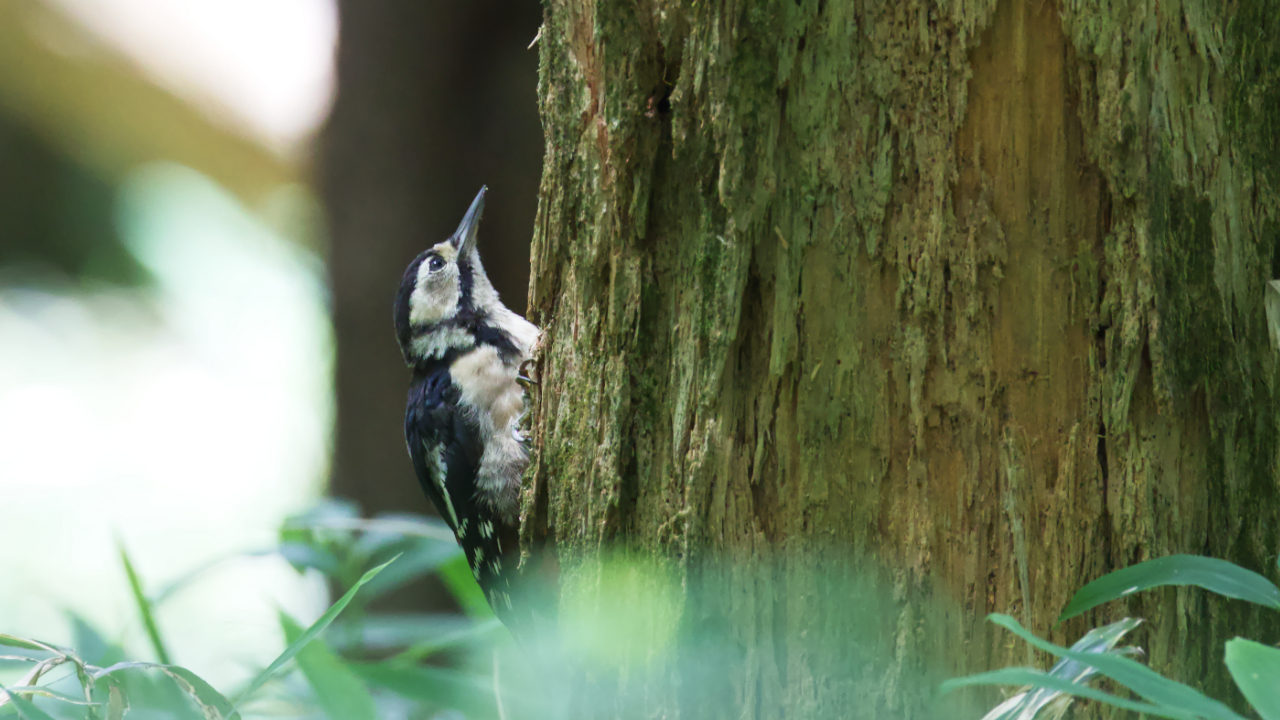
(1253, 666)
(364, 665)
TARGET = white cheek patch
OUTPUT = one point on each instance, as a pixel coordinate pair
(429, 305)
(436, 294)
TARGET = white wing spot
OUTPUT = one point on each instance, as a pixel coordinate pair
(442, 471)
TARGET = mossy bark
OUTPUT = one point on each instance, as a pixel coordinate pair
(963, 300)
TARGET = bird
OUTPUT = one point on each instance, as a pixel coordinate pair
(467, 397)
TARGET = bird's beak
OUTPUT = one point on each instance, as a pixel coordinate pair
(464, 238)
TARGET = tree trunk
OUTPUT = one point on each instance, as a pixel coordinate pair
(866, 319)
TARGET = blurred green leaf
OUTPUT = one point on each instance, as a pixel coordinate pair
(392, 631)
(25, 708)
(316, 628)
(341, 693)
(411, 525)
(46, 692)
(1136, 676)
(144, 607)
(302, 556)
(166, 592)
(213, 705)
(457, 576)
(421, 557)
(1212, 574)
(116, 704)
(328, 510)
(33, 676)
(91, 645)
(17, 642)
(391, 524)
(1256, 669)
(476, 632)
(471, 694)
(1036, 678)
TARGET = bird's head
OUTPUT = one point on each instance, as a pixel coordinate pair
(443, 293)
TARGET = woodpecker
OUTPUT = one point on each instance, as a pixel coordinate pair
(462, 422)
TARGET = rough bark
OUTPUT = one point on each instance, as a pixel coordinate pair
(865, 319)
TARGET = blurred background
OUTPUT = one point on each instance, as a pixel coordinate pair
(205, 210)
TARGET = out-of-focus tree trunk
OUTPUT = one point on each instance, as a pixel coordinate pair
(963, 299)
(434, 100)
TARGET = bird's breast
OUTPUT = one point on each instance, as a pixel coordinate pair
(489, 385)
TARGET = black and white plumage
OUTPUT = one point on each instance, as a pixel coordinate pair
(462, 421)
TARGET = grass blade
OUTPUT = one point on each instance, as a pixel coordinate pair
(17, 642)
(341, 693)
(144, 607)
(1212, 574)
(1137, 677)
(1255, 668)
(316, 628)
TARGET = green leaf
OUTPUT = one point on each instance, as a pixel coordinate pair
(1036, 678)
(302, 556)
(25, 708)
(1212, 574)
(316, 628)
(46, 692)
(191, 576)
(116, 704)
(144, 607)
(481, 631)
(11, 641)
(420, 557)
(471, 694)
(458, 578)
(395, 631)
(1255, 668)
(1136, 676)
(1099, 640)
(91, 645)
(341, 693)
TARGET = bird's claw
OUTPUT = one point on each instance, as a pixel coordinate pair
(525, 377)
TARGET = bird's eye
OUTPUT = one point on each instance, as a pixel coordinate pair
(435, 263)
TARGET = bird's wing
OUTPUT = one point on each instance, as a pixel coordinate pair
(445, 446)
